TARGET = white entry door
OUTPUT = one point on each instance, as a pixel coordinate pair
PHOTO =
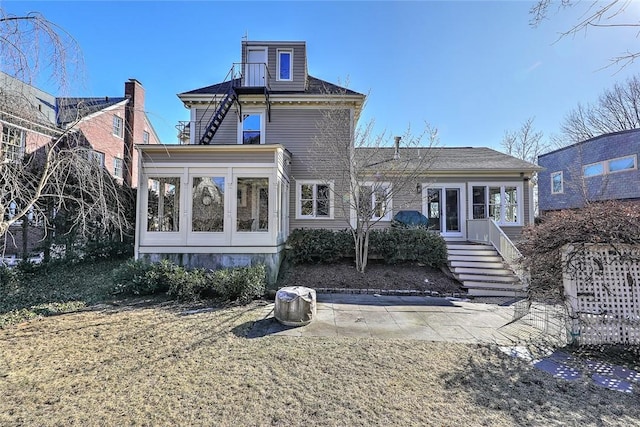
(444, 207)
(255, 69)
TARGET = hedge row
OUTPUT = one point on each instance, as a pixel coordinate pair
(394, 245)
(138, 277)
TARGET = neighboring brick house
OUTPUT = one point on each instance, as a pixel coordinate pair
(250, 169)
(27, 118)
(109, 126)
(600, 168)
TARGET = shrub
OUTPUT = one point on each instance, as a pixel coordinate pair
(108, 249)
(312, 246)
(139, 277)
(8, 278)
(189, 285)
(396, 245)
(243, 284)
(393, 245)
(609, 222)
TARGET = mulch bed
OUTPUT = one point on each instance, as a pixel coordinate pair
(377, 277)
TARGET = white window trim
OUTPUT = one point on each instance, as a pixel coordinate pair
(290, 52)
(502, 185)
(561, 174)
(5, 145)
(121, 133)
(115, 169)
(593, 164)
(94, 155)
(299, 184)
(605, 165)
(387, 186)
(250, 111)
(631, 156)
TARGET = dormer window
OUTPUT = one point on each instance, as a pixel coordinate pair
(285, 64)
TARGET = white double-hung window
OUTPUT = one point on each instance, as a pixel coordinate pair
(251, 128)
(314, 199)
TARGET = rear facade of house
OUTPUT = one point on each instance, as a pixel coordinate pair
(251, 166)
(601, 168)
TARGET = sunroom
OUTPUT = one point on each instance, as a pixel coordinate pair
(213, 206)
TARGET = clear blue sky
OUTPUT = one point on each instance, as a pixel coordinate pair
(471, 69)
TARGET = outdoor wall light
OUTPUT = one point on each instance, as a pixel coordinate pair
(418, 188)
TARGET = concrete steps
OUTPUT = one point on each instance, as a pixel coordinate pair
(482, 271)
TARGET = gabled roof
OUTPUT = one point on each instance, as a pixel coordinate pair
(315, 86)
(479, 159)
(26, 101)
(71, 109)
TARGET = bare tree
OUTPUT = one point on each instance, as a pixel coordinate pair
(369, 177)
(524, 143)
(595, 14)
(31, 46)
(616, 109)
(54, 174)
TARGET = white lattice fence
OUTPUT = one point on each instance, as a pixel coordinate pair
(602, 285)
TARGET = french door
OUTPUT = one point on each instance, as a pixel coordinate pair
(444, 207)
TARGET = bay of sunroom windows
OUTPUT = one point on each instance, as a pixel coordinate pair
(500, 203)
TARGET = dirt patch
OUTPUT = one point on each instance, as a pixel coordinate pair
(378, 275)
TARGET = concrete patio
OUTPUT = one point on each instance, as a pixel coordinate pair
(406, 317)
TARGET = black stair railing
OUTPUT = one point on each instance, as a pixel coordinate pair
(218, 116)
(241, 75)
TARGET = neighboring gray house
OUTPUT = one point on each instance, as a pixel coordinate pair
(248, 171)
(600, 168)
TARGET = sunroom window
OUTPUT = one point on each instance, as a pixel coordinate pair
(252, 204)
(500, 202)
(207, 204)
(163, 207)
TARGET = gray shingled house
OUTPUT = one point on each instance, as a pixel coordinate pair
(601, 168)
(247, 172)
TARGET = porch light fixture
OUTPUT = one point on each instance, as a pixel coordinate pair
(418, 188)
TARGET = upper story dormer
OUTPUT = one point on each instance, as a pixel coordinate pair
(266, 98)
(278, 66)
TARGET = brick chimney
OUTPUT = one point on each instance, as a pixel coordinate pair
(133, 127)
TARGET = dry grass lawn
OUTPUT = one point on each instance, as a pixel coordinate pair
(155, 365)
